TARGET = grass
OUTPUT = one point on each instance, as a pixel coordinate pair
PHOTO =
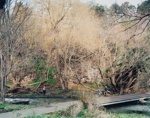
(132, 115)
(92, 85)
(62, 114)
(37, 81)
(12, 107)
(9, 83)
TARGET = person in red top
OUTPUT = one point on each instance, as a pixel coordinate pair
(44, 89)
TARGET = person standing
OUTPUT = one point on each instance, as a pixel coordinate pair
(44, 89)
(106, 91)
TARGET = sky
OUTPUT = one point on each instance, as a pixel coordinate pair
(108, 3)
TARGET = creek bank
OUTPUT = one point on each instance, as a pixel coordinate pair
(49, 94)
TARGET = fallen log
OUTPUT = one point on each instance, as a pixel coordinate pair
(17, 101)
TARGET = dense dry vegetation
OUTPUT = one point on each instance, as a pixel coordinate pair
(59, 43)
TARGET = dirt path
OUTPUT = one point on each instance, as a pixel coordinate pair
(40, 110)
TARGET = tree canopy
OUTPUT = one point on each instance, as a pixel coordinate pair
(99, 9)
(144, 8)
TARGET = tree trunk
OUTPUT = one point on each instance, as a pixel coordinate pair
(62, 83)
(1, 66)
(59, 74)
(2, 79)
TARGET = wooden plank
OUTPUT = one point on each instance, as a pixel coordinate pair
(104, 101)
